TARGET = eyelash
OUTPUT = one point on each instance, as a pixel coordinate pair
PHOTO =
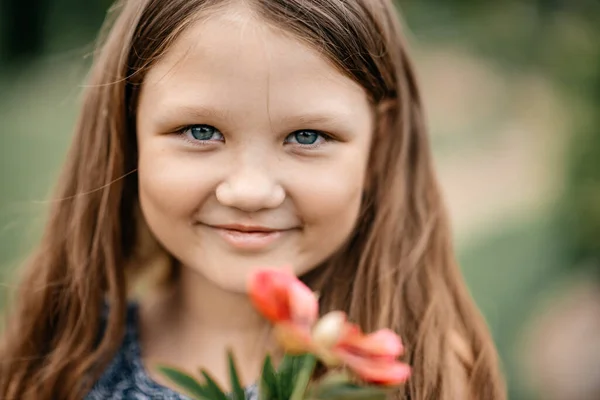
(325, 138)
(196, 142)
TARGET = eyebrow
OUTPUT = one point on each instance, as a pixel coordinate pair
(172, 114)
(198, 112)
(324, 119)
(309, 119)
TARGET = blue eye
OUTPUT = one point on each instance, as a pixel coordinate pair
(305, 137)
(203, 133)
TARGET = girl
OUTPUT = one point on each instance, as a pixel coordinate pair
(226, 135)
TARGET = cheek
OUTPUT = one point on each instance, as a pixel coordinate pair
(170, 184)
(330, 200)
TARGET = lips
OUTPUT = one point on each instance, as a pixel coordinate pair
(247, 228)
(247, 237)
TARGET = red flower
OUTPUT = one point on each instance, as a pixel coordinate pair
(289, 304)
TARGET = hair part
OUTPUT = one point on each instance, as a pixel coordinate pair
(398, 269)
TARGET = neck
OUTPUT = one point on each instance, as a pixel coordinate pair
(207, 307)
(197, 322)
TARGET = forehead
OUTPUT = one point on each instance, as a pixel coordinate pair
(234, 57)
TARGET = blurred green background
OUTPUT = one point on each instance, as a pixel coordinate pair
(512, 90)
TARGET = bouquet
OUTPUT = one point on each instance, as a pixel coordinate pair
(358, 366)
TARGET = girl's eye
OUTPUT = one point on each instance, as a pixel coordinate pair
(306, 138)
(202, 133)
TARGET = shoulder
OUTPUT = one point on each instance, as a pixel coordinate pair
(117, 378)
(125, 376)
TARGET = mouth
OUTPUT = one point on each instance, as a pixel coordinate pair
(249, 237)
(247, 228)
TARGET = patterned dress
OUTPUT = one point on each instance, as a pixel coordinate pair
(126, 376)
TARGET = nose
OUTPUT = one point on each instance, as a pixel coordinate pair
(250, 188)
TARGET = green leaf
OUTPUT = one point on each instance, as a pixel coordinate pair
(216, 393)
(335, 378)
(264, 393)
(302, 380)
(238, 392)
(186, 382)
(344, 390)
(288, 371)
(269, 385)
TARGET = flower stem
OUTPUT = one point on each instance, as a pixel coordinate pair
(304, 376)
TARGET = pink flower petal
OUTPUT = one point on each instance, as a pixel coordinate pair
(384, 343)
(387, 373)
(373, 357)
(289, 304)
(269, 292)
(303, 303)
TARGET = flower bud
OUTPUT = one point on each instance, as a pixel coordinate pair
(328, 330)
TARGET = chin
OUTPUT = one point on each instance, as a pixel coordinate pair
(223, 276)
(234, 282)
(232, 274)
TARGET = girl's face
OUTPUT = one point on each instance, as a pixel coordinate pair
(252, 150)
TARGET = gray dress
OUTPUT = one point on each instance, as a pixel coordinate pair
(126, 376)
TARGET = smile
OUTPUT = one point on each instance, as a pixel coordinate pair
(248, 237)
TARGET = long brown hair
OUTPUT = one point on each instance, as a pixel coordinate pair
(397, 270)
